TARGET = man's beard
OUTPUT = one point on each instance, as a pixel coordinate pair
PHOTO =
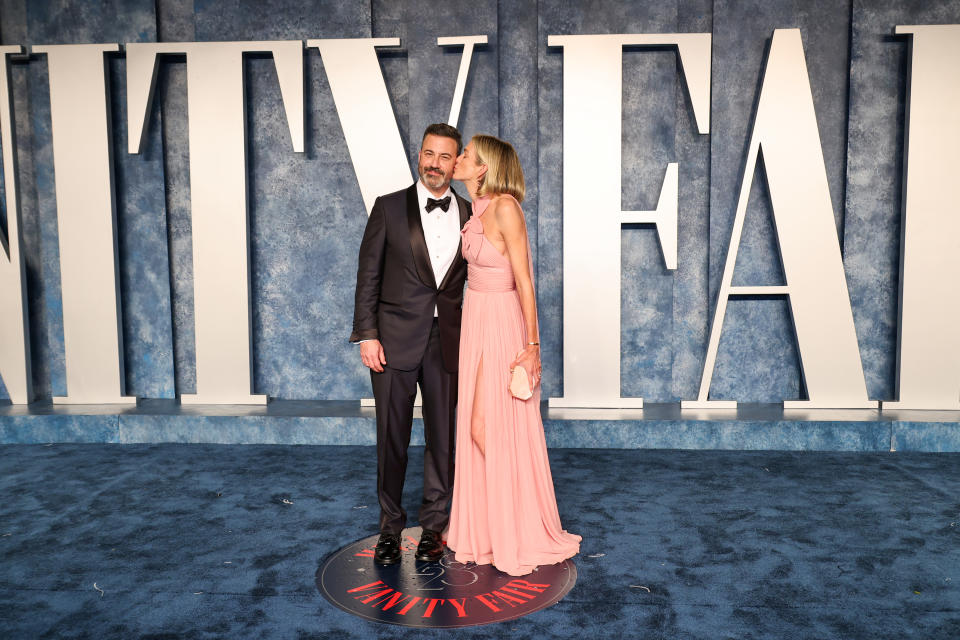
(434, 181)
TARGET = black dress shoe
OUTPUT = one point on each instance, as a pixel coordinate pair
(387, 550)
(430, 548)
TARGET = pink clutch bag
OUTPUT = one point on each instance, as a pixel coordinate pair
(520, 384)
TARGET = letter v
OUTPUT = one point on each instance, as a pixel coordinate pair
(366, 115)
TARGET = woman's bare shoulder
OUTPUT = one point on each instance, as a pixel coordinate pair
(506, 210)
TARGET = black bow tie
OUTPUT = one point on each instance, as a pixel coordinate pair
(443, 203)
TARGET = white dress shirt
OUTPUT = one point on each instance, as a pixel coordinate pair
(441, 230)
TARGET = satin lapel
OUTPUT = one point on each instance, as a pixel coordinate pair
(465, 210)
(418, 243)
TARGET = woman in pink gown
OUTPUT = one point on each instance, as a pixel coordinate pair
(504, 510)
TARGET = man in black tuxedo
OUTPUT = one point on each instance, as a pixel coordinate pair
(407, 320)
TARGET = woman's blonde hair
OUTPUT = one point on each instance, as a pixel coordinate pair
(504, 174)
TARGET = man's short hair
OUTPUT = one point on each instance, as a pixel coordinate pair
(445, 131)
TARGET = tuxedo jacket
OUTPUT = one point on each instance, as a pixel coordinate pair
(396, 288)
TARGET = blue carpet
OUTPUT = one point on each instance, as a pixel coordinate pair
(214, 541)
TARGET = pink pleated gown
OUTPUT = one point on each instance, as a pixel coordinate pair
(504, 510)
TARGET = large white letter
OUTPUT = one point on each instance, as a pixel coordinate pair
(786, 134)
(592, 211)
(14, 329)
(363, 105)
(218, 194)
(929, 343)
(86, 223)
(468, 43)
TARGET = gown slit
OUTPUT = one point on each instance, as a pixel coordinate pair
(478, 432)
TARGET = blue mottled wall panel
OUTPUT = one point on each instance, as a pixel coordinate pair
(390, 21)
(142, 240)
(175, 23)
(550, 197)
(306, 214)
(517, 57)
(691, 301)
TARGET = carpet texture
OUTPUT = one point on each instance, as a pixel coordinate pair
(215, 541)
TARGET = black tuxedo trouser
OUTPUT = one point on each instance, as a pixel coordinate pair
(394, 392)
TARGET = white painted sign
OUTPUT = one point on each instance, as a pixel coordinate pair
(785, 136)
(87, 223)
(14, 327)
(592, 212)
(785, 133)
(929, 340)
(218, 195)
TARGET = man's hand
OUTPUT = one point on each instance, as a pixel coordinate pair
(371, 352)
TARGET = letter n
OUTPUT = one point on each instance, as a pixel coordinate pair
(785, 132)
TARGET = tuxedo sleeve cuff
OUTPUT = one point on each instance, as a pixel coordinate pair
(362, 335)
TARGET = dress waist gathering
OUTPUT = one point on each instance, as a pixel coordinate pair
(489, 280)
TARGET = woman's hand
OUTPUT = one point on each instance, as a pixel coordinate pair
(529, 359)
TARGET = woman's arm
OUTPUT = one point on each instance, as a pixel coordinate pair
(513, 229)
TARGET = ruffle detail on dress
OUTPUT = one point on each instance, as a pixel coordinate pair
(471, 235)
(471, 238)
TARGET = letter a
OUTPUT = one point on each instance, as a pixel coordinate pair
(14, 329)
(786, 132)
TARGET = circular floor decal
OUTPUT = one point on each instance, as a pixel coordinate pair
(439, 594)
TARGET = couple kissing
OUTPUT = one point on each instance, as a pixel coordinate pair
(416, 324)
